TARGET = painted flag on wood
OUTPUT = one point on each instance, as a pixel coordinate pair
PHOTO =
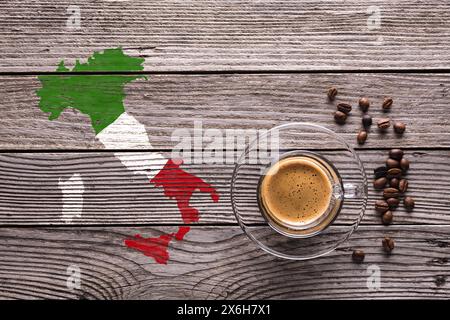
(116, 129)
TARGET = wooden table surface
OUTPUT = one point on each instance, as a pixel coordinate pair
(231, 64)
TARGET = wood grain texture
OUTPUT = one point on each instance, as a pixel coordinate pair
(29, 193)
(218, 263)
(165, 103)
(237, 35)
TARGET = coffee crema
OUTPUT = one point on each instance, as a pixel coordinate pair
(296, 191)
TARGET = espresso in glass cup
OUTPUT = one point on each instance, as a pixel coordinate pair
(300, 194)
(298, 190)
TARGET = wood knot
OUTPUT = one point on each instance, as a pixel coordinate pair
(440, 280)
(438, 261)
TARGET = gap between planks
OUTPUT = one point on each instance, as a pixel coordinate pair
(228, 72)
(196, 225)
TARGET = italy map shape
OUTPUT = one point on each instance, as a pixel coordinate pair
(101, 97)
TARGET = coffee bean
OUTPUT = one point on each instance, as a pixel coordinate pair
(340, 117)
(384, 123)
(392, 163)
(362, 137)
(403, 185)
(387, 104)
(393, 202)
(332, 93)
(399, 127)
(381, 206)
(396, 154)
(394, 183)
(344, 107)
(387, 217)
(388, 244)
(379, 183)
(364, 104)
(404, 164)
(394, 173)
(366, 121)
(390, 193)
(380, 172)
(358, 256)
(409, 203)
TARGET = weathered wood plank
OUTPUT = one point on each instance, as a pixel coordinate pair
(218, 262)
(29, 192)
(164, 103)
(237, 35)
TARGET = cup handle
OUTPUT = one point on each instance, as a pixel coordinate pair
(352, 190)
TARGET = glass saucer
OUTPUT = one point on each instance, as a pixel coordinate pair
(264, 151)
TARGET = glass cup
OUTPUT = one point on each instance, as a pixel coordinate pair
(347, 201)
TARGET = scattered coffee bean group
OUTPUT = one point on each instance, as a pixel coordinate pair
(390, 177)
(343, 111)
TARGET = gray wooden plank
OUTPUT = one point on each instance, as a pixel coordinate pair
(238, 35)
(218, 262)
(29, 193)
(165, 103)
